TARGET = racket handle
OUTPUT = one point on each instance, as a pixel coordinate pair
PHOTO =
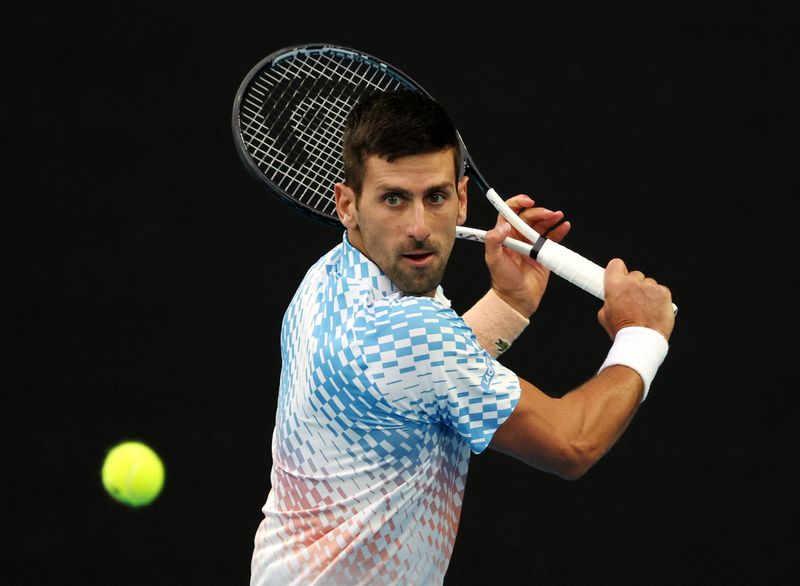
(573, 267)
(568, 265)
(576, 269)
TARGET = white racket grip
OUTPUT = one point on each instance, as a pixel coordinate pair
(569, 265)
(573, 267)
(576, 269)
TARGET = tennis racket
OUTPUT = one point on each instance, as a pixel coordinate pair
(288, 119)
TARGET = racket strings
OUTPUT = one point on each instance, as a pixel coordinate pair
(292, 116)
(295, 160)
(282, 169)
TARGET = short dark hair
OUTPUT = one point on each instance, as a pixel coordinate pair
(395, 124)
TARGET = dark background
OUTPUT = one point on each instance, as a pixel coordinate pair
(149, 274)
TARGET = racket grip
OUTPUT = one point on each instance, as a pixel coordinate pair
(568, 265)
(576, 269)
(573, 267)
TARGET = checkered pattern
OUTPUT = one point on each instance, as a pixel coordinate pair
(382, 398)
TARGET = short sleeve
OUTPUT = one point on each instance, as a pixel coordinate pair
(430, 368)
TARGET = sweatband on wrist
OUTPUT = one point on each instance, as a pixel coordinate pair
(495, 323)
(642, 349)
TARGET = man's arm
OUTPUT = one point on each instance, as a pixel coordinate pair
(566, 436)
(518, 282)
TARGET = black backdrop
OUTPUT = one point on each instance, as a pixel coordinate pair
(149, 274)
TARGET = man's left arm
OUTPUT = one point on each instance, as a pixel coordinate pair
(518, 282)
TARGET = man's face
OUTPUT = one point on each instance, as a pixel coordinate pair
(406, 216)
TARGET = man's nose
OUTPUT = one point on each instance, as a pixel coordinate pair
(418, 224)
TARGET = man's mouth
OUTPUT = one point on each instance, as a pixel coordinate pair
(418, 259)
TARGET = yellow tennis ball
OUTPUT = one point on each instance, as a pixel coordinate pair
(133, 473)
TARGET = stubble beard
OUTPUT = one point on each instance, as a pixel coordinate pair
(418, 281)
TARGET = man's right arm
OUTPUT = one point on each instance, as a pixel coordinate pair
(568, 435)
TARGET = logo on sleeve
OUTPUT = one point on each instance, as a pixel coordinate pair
(487, 376)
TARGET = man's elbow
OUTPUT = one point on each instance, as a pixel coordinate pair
(576, 459)
(572, 472)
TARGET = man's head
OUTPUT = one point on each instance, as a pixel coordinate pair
(402, 196)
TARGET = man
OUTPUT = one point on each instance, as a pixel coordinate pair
(385, 390)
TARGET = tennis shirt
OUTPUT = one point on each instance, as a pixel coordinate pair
(382, 398)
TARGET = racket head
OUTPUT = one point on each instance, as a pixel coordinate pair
(289, 114)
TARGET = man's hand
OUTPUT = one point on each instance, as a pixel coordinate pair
(519, 280)
(631, 299)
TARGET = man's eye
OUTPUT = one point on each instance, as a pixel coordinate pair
(393, 199)
(437, 197)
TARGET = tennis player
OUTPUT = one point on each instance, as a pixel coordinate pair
(385, 390)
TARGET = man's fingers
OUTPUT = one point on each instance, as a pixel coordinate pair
(493, 243)
(543, 221)
(519, 202)
(496, 235)
(616, 266)
(557, 233)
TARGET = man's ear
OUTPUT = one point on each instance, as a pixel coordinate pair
(346, 205)
(462, 200)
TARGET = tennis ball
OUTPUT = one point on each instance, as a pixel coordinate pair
(133, 473)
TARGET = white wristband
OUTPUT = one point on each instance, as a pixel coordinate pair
(642, 349)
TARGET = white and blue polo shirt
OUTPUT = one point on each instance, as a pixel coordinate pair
(382, 398)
